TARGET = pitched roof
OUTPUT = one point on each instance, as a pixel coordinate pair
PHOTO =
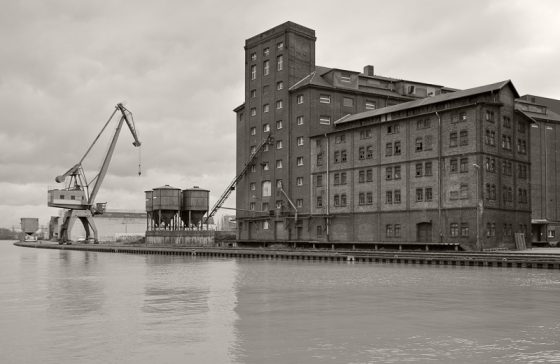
(427, 101)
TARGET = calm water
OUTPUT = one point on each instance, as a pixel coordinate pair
(80, 307)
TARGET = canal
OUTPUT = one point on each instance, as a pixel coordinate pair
(61, 306)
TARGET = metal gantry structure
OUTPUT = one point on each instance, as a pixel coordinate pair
(231, 187)
(78, 197)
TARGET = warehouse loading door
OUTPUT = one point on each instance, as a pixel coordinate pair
(424, 232)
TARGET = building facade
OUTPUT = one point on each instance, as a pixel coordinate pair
(309, 182)
(545, 166)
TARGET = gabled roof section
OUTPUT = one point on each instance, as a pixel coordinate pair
(314, 78)
(549, 116)
(428, 101)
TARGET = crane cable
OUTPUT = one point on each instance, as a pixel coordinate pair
(140, 160)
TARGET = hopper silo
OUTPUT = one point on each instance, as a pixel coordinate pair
(195, 205)
(29, 226)
(166, 204)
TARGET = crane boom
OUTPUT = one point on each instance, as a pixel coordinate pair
(269, 140)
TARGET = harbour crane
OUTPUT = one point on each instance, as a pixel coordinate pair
(78, 197)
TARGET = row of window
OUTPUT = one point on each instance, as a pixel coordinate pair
(266, 107)
(507, 193)
(506, 121)
(490, 139)
(266, 51)
(266, 67)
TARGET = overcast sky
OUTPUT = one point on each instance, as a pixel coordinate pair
(179, 67)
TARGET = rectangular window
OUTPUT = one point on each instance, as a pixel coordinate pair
(279, 163)
(278, 104)
(490, 137)
(397, 196)
(300, 161)
(343, 178)
(253, 111)
(419, 195)
(393, 129)
(279, 124)
(370, 105)
(389, 197)
(280, 46)
(253, 94)
(266, 67)
(253, 56)
(300, 140)
(279, 63)
(454, 229)
(299, 120)
(418, 170)
(266, 108)
(253, 72)
(369, 198)
(339, 139)
(419, 143)
(464, 229)
(299, 181)
(397, 230)
(266, 188)
(397, 172)
(299, 203)
(362, 153)
(336, 199)
(319, 159)
(319, 180)
(252, 206)
(325, 99)
(300, 99)
(388, 149)
(453, 139)
(343, 199)
(490, 116)
(464, 165)
(428, 169)
(266, 128)
(361, 176)
(369, 152)
(389, 230)
(279, 85)
(337, 179)
(252, 149)
(266, 52)
(253, 131)
(278, 144)
(397, 148)
(365, 134)
(343, 155)
(429, 194)
(464, 191)
(361, 198)
(278, 183)
(453, 165)
(369, 175)
(388, 173)
(463, 137)
(252, 186)
(319, 230)
(506, 122)
(325, 120)
(348, 102)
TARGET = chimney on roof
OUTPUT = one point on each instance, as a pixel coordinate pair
(368, 70)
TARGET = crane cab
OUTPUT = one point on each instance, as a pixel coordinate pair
(67, 199)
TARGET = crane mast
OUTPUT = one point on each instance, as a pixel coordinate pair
(78, 197)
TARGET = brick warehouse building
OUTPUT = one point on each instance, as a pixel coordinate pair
(299, 104)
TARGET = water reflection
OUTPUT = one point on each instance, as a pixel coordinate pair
(91, 308)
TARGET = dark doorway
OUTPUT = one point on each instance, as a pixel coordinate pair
(424, 232)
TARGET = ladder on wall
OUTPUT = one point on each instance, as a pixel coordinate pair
(268, 141)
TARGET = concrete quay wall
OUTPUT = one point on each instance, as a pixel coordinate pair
(464, 259)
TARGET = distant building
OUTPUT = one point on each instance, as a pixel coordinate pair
(111, 225)
(545, 165)
(228, 223)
